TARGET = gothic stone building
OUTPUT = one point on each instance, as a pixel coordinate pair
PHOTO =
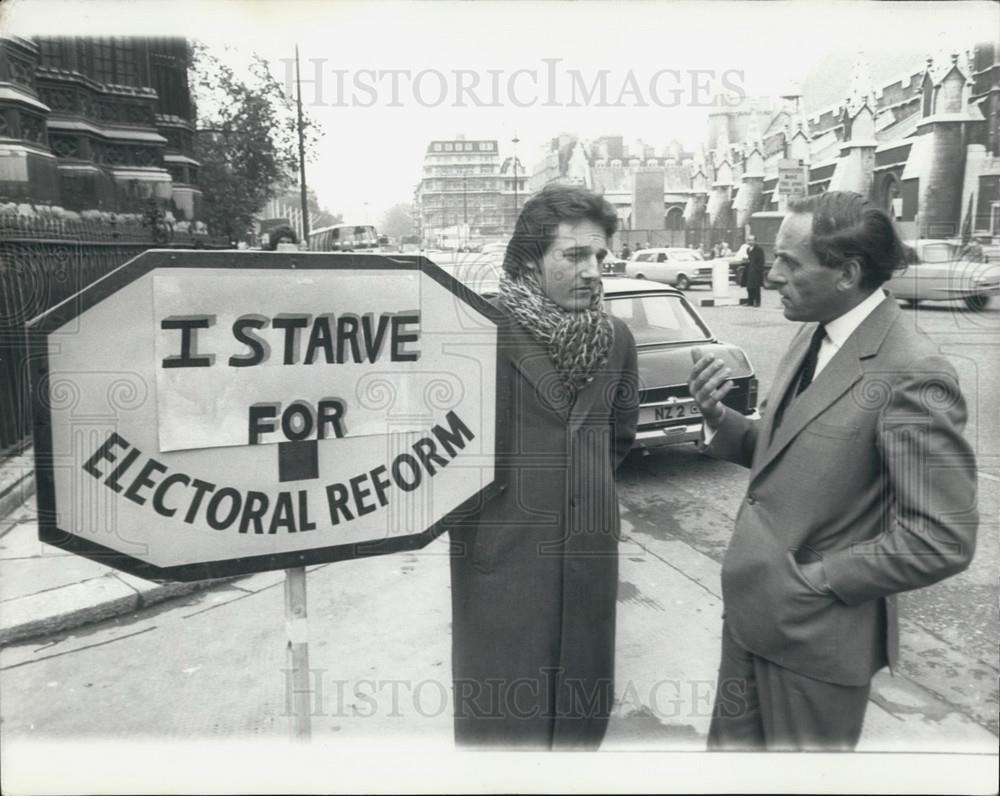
(925, 147)
(103, 123)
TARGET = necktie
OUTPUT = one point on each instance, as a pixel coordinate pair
(805, 376)
(809, 363)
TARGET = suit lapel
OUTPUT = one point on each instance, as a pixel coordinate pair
(787, 370)
(839, 375)
(836, 378)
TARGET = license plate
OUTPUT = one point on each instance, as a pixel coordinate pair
(657, 414)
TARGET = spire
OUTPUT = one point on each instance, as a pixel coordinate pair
(754, 138)
(861, 89)
(722, 147)
(699, 160)
(578, 168)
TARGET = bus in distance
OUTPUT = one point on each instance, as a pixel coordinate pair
(344, 238)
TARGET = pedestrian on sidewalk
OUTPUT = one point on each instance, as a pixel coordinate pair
(753, 271)
(535, 573)
(845, 506)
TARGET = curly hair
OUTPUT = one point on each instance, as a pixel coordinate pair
(538, 223)
(847, 226)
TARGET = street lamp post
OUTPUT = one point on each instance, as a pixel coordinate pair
(515, 141)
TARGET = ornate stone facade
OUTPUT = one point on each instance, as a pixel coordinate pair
(925, 147)
(97, 123)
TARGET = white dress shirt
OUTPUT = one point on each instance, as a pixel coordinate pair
(839, 329)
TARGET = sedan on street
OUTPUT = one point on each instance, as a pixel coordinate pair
(937, 271)
(668, 334)
(675, 266)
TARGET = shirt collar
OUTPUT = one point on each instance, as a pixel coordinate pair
(839, 329)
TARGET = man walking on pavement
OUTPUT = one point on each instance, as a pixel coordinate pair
(754, 271)
(861, 486)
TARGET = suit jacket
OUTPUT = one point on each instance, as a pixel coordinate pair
(535, 571)
(869, 473)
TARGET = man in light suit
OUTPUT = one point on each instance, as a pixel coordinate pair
(861, 487)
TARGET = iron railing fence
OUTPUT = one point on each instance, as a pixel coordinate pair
(37, 273)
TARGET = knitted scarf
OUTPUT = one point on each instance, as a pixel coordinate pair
(578, 342)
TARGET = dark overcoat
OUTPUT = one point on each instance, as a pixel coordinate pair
(534, 574)
(755, 267)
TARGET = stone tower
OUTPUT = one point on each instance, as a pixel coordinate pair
(855, 168)
(942, 140)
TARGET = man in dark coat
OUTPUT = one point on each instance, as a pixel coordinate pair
(535, 573)
(754, 273)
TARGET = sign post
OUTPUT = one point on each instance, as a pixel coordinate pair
(208, 414)
(297, 629)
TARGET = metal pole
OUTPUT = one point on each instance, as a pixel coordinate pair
(297, 629)
(514, 141)
(302, 153)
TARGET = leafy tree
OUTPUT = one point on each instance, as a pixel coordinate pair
(397, 221)
(247, 141)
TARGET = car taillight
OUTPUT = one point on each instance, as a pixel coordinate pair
(752, 394)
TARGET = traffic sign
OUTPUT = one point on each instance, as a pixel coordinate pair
(791, 178)
(201, 414)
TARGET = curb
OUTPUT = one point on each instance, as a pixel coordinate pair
(120, 597)
(17, 483)
(73, 605)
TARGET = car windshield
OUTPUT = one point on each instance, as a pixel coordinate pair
(480, 273)
(937, 252)
(657, 318)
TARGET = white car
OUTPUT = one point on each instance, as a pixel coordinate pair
(675, 266)
(936, 271)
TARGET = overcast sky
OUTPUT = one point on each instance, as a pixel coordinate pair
(393, 76)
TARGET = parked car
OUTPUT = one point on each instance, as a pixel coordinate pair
(479, 271)
(667, 329)
(936, 271)
(675, 266)
(613, 266)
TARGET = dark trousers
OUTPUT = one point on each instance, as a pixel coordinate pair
(753, 296)
(761, 706)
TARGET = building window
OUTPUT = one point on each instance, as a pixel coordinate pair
(102, 63)
(112, 61)
(123, 55)
(55, 53)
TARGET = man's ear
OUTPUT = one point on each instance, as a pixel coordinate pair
(851, 274)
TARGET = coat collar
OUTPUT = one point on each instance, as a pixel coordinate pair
(531, 359)
(842, 372)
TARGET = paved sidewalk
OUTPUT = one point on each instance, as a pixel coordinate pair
(44, 589)
(668, 639)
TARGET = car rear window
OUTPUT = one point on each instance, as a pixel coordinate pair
(657, 319)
